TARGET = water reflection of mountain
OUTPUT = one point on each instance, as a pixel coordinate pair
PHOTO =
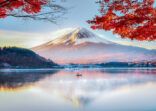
(83, 90)
(14, 80)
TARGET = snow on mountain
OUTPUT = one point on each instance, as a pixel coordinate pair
(78, 36)
(81, 46)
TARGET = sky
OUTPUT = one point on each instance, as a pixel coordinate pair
(30, 33)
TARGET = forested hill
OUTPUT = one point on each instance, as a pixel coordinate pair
(13, 57)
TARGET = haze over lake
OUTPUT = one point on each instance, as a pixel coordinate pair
(79, 90)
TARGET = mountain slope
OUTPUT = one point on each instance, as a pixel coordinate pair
(81, 46)
(22, 58)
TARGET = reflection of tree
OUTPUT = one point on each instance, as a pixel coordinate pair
(14, 80)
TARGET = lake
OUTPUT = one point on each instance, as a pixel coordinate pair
(78, 90)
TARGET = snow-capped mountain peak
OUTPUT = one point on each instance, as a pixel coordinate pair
(81, 46)
(78, 36)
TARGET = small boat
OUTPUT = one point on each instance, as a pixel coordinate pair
(78, 74)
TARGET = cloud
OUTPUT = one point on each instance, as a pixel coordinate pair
(28, 39)
(147, 45)
(20, 39)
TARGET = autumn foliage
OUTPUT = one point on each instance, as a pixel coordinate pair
(27, 6)
(134, 19)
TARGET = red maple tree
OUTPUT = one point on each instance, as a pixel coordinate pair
(28, 6)
(47, 10)
(134, 19)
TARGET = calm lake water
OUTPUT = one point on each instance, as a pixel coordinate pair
(79, 90)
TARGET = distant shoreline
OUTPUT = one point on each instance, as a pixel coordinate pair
(57, 69)
(29, 70)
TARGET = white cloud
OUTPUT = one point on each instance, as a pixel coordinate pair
(27, 39)
(21, 39)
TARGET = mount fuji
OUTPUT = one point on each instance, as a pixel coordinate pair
(81, 46)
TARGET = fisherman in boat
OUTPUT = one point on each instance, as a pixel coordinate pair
(78, 74)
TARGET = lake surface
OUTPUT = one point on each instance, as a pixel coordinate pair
(78, 90)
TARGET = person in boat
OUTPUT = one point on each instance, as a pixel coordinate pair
(78, 74)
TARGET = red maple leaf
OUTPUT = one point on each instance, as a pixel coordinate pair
(28, 6)
(134, 19)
